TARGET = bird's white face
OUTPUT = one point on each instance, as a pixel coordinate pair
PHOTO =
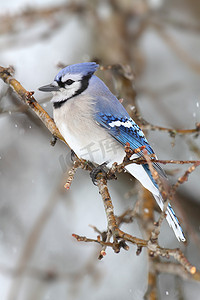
(68, 85)
(70, 82)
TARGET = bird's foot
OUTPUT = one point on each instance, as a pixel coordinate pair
(97, 170)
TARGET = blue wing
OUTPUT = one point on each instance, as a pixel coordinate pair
(124, 130)
(111, 115)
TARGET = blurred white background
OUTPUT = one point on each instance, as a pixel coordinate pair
(39, 259)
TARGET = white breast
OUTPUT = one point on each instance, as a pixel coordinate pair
(87, 139)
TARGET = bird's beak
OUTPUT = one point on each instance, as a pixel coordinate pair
(49, 88)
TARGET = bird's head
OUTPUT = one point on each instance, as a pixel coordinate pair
(70, 81)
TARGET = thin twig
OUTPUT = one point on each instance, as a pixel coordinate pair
(176, 269)
(6, 74)
(171, 131)
(185, 176)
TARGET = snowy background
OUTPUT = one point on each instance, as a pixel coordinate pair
(39, 259)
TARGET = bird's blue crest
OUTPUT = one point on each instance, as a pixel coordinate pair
(86, 68)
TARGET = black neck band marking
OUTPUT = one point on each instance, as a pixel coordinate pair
(59, 103)
(84, 85)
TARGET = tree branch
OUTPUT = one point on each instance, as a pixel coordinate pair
(119, 237)
(6, 74)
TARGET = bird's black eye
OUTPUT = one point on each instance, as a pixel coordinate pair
(69, 81)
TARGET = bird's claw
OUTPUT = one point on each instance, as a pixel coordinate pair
(96, 170)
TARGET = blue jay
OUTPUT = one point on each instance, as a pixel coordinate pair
(97, 127)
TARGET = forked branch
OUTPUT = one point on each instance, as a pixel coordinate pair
(113, 237)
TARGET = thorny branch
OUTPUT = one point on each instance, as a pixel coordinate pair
(119, 238)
